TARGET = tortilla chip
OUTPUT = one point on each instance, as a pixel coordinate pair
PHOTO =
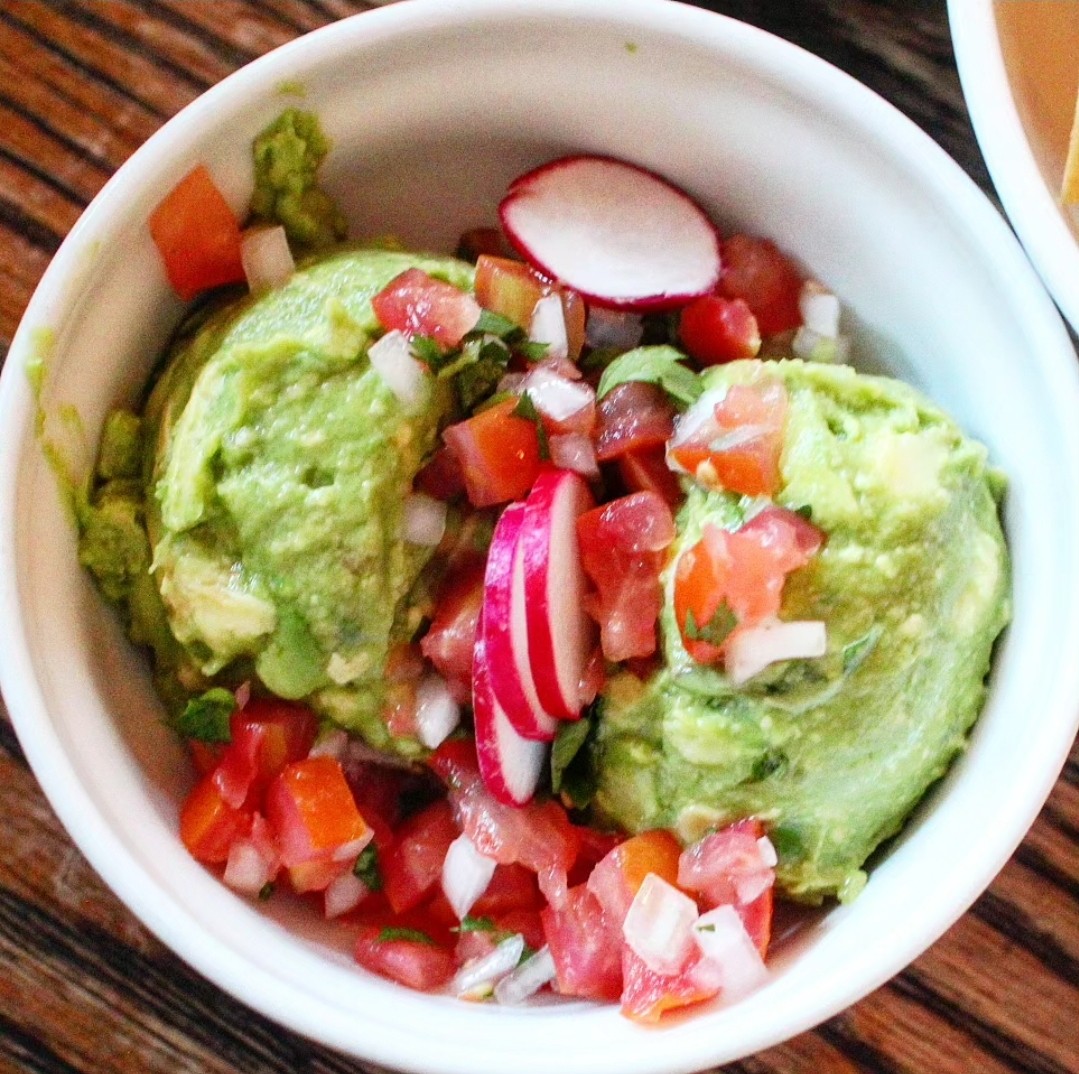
(1069, 190)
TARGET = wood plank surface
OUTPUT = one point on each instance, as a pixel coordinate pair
(84, 988)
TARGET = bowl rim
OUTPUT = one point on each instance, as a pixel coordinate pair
(1024, 191)
(105, 848)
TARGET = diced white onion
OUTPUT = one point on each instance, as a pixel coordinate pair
(810, 346)
(751, 650)
(612, 328)
(548, 325)
(351, 850)
(819, 309)
(698, 420)
(424, 520)
(391, 357)
(659, 924)
(769, 857)
(248, 869)
(729, 952)
(437, 712)
(478, 978)
(529, 977)
(266, 257)
(331, 744)
(557, 397)
(574, 451)
(466, 873)
(344, 893)
(750, 886)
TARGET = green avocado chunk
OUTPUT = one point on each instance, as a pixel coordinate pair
(266, 533)
(913, 586)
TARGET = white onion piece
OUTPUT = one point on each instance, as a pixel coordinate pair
(750, 886)
(729, 953)
(659, 925)
(527, 979)
(477, 978)
(548, 326)
(248, 870)
(769, 857)
(810, 346)
(698, 419)
(391, 357)
(437, 712)
(343, 893)
(574, 451)
(555, 396)
(751, 650)
(612, 328)
(266, 257)
(351, 850)
(332, 744)
(425, 520)
(466, 873)
(819, 309)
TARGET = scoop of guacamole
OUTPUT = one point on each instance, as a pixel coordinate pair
(912, 584)
(270, 508)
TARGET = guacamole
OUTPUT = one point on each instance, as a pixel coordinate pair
(912, 584)
(258, 533)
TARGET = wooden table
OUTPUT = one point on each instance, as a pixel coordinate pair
(83, 987)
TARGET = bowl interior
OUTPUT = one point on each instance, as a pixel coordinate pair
(432, 111)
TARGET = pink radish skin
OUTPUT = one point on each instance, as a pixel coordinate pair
(510, 765)
(505, 631)
(561, 635)
(620, 235)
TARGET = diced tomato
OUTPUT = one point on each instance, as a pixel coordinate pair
(441, 476)
(266, 734)
(316, 875)
(512, 289)
(499, 453)
(209, 825)
(313, 814)
(773, 520)
(415, 963)
(646, 470)
(618, 877)
(743, 444)
(451, 640)
(623, 552)
(647, 994)
(420, 305)
(757, 918)
(586, 946)
(205, 755)
(770, 283)
(700, 590)
(413, 866)
(714, 330)
(378, 790)
(595, 845)
(512, 888)
(632, 417)
(197, 235)
(529, 923)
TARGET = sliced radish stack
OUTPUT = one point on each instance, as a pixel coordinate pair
(509, 665)
(509, 763)
(620, 235)
(561, 635)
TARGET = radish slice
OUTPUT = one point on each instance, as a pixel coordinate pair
(466, 874)
(391, 357)
(529, 977)
(726, 947)
(752, 649)
(505, 628)
(266, 258)
(620, 235)
(659, 925)
(509, 763)
(561, 634)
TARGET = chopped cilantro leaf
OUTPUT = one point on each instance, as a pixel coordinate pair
(481, 366)
(571, 770)
(531, 350)
(525, 408)
(495, 324)
(716, 630)
(367, 868)
(266, 891)
(476, 924)
(206, 718)
(706, 928)
(391, 934)
(806, 511)
(653, 365)
(428, 351)
(855, 653)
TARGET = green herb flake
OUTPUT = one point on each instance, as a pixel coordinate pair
(716, 630)
(392, 934)
(495, 324)
(526, 409)
(206, 718)
(572, 776)
(367, 868)
(855, 654)
(266, 891)
(531, 351)
(428, 351)
(706, 928)
(478, 371)
(659, 365)
(476, 924)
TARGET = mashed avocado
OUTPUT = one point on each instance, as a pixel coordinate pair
(912, 583)
(263, 537)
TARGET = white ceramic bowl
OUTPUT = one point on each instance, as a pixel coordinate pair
(433, 108)
(1017, 64)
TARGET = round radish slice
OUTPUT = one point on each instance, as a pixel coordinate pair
(618, 234)
(561, 635)
(509, 764)
(505, 631)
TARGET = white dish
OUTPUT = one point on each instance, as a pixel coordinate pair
(434, 107)
(1019, 66)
